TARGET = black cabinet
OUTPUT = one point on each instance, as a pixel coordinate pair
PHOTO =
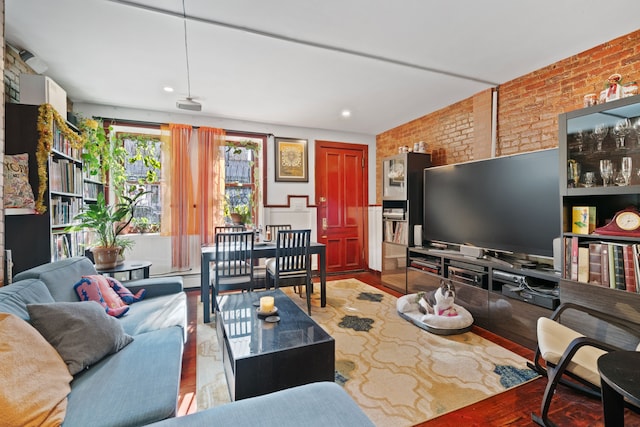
(502, 299)
(401, 212)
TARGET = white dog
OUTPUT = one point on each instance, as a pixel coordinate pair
(439, 301)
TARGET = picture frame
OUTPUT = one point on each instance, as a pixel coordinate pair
(292, 160)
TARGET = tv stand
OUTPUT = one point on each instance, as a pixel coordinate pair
(486, 288)
(498, 261)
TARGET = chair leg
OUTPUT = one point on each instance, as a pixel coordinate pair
(553, 378)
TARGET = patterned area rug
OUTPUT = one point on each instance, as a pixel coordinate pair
(398, 374)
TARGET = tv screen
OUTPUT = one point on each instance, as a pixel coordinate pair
(506, 204)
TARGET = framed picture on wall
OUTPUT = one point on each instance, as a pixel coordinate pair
(292, 159)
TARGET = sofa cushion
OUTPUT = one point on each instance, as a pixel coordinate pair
(14, 298)
(156, 313)
(60, 276)
(35, 380)
(133, 387)
(81, 332)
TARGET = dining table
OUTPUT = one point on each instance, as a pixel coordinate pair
(262, 249)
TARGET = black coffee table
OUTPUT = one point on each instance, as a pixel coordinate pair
(261, 357)
(620, 380)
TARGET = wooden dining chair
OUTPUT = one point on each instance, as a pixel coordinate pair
(272, 229)
(233, 265)
(229, 229)
(292, 263)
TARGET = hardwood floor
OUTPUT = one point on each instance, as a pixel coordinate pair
(512, 408)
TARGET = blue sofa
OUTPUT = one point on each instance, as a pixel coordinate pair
(137, 385)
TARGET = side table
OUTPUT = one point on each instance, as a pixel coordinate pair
(128, 269)
(620, 379)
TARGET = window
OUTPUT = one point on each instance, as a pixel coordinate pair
(242, 178)
(141, 170)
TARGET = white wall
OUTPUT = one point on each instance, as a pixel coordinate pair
(157, 248)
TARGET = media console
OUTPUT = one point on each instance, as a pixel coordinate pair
(502, 297)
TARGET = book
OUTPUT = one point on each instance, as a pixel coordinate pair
(618, 266)
(612, 270)
(604, 264)
(574, 258)
(595, 263)
(629, 269)
(583, 264)
(635, 249)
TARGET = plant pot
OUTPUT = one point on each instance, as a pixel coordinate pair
(105, 257)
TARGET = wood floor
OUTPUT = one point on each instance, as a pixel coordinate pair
(512, 408)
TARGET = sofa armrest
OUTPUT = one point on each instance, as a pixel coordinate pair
(319, 404)
(156, 286)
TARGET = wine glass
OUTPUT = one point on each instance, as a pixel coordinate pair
(606, 171)
(636, 129)
(625, 169)
(599, 133)
(620, 131)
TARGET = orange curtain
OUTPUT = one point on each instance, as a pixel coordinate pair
(180, 215)
(211, 179)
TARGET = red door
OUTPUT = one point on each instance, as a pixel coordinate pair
(341, 197)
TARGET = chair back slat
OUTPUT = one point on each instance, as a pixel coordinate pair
(274, 228)
(292, 250)
(234, 254)
(229, 229)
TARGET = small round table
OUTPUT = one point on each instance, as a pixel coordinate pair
(620, 379)
(128, 267)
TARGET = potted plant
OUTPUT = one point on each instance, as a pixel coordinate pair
(107, 222)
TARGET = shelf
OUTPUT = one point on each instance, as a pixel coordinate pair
(19, 211)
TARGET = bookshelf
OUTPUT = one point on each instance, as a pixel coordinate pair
(595, 251)
(39, 237)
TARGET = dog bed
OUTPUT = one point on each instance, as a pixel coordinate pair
(408, 309)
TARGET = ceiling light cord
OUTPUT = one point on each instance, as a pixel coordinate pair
(186, 49)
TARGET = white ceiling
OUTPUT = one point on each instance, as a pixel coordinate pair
(300, 63)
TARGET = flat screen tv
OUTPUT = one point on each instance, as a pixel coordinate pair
(505, 204)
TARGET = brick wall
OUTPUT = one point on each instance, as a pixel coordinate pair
(528, 108)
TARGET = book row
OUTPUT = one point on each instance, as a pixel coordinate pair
(610, 264)
(65, 176)
(396, 232)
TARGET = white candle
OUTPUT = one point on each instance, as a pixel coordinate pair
(266, 304)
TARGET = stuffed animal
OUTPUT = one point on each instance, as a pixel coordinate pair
(439, 302)
(88, 289)
(125, 294)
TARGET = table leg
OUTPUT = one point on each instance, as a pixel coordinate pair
(612, 405)
(323, 278)
(205, 282)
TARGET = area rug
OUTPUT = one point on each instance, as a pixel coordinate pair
(398, 374)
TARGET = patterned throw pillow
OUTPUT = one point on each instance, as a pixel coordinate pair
(17, 190)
